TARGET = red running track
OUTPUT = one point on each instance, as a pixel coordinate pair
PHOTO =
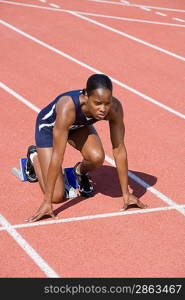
(146, 243)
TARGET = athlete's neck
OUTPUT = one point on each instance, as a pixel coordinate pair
(84, 106)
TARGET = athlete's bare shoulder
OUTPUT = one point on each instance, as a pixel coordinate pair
(65, 102)
(65, 109)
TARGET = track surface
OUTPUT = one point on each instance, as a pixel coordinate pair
(49, 47)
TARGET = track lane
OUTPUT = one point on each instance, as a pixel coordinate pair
(12, 257)
(128, 246)
(166, 37)
(143, 122)
(151, 62)
(169, 17)
(24, 197)
(76, 237)
(161, 3)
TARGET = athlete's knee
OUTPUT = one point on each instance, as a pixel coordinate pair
(58, 197)
(97, 158)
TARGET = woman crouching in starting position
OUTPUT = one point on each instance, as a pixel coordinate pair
(69, 118)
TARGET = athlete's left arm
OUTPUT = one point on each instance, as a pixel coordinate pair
(117, 134)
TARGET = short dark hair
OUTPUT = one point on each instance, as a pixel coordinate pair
(97, 81)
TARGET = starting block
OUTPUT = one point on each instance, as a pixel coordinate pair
(70, 184)
(19, 173)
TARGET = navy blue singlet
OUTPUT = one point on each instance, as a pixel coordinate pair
(47, 117)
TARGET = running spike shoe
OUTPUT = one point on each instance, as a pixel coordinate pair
(29, 168)
(85, 185)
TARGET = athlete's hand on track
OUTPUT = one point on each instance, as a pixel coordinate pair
(45, 209)
(130, 199)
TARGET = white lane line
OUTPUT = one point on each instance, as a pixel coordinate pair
(39, 261)
(154, 191)
(139, 5)
(43, 1)
(54, 5)
(19, 97)
(177, 19)
(95, 70)
(127, 19)
(145, 8)
(112, 162)
(98, 71)
(119, 83)
(125, 2)
(160, 14)
(92, 14)
(93, 217)
(131, 37)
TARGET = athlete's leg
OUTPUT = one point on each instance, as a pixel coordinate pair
(41, 165)
(87, 141)
(38, 172)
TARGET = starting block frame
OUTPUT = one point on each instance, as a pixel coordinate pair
(19, 173)
(70, 184)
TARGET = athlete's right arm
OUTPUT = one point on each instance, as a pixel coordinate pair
(65, 111)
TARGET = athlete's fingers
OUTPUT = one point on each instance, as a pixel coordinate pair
(52, 214)
(141, 205)
(124, 207)
(40, 216)
(32, 217)
(36, 218)
(138, 203)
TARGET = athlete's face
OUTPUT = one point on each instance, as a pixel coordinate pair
(99, 103)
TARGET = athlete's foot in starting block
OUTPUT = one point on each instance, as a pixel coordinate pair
(84, 182)
(70, 183)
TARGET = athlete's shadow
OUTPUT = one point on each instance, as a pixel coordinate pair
(106, 182)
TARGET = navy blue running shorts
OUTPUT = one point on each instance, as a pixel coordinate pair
(43, 137)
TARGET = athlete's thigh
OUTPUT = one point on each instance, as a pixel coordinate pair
(86, 140)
